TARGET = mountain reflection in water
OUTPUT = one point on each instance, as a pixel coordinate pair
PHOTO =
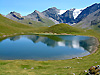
(78, 42)
(46, 47)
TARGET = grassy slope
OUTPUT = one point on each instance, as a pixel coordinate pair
(46, 22)
(23, 67)
(94, 27)
(9, 26)
(63, 28)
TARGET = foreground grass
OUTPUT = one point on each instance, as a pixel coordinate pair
(50, 67)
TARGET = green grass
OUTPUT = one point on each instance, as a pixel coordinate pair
(95, 27)
(45, 23)
(62, 28)
(50, 67)
(9, 26)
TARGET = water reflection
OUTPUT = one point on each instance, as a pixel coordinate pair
(78, 42)
(46, 47)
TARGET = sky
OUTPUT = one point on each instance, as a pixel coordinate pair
(25, 7)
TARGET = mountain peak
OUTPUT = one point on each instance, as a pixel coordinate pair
(53, 7)
(36, 11)
(97, 3)
(14, 16)
(72, 9)
(13, 12)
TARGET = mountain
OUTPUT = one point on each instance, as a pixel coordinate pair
(8, 26)
(35, 19)
(36, 16)
(53, 13)
(72, 15)
(92, 21)
(76, 12)
(88, 11)
(62, 16)
(68, 17)
(61, 12)
(53, 16)
(14, 16)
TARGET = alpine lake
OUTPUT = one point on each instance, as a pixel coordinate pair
(46, 47)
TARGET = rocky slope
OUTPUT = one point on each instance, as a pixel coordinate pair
(92, 21)
(15, 16)
(53, 13)
(88, 11)
(68, 17)
(62, 16)
(72, 15)
(36, 16)
(34, 19)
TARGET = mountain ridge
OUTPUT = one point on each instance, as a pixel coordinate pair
(92, 21)
(54, 16)
(34, 19)
(88, 11)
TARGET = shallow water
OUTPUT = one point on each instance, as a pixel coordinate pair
(45, 47)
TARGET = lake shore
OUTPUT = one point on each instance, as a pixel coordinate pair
(97, 44)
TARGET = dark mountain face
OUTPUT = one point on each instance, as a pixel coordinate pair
(67, 17)
(90, 18)
(15, 16)
(53, 13)
(87, 11)
(91, 21)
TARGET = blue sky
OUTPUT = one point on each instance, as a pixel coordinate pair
(28, 6)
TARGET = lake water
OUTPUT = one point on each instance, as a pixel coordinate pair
(46, 47)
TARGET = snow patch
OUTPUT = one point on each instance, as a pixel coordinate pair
(76, 12)
(62, 11)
